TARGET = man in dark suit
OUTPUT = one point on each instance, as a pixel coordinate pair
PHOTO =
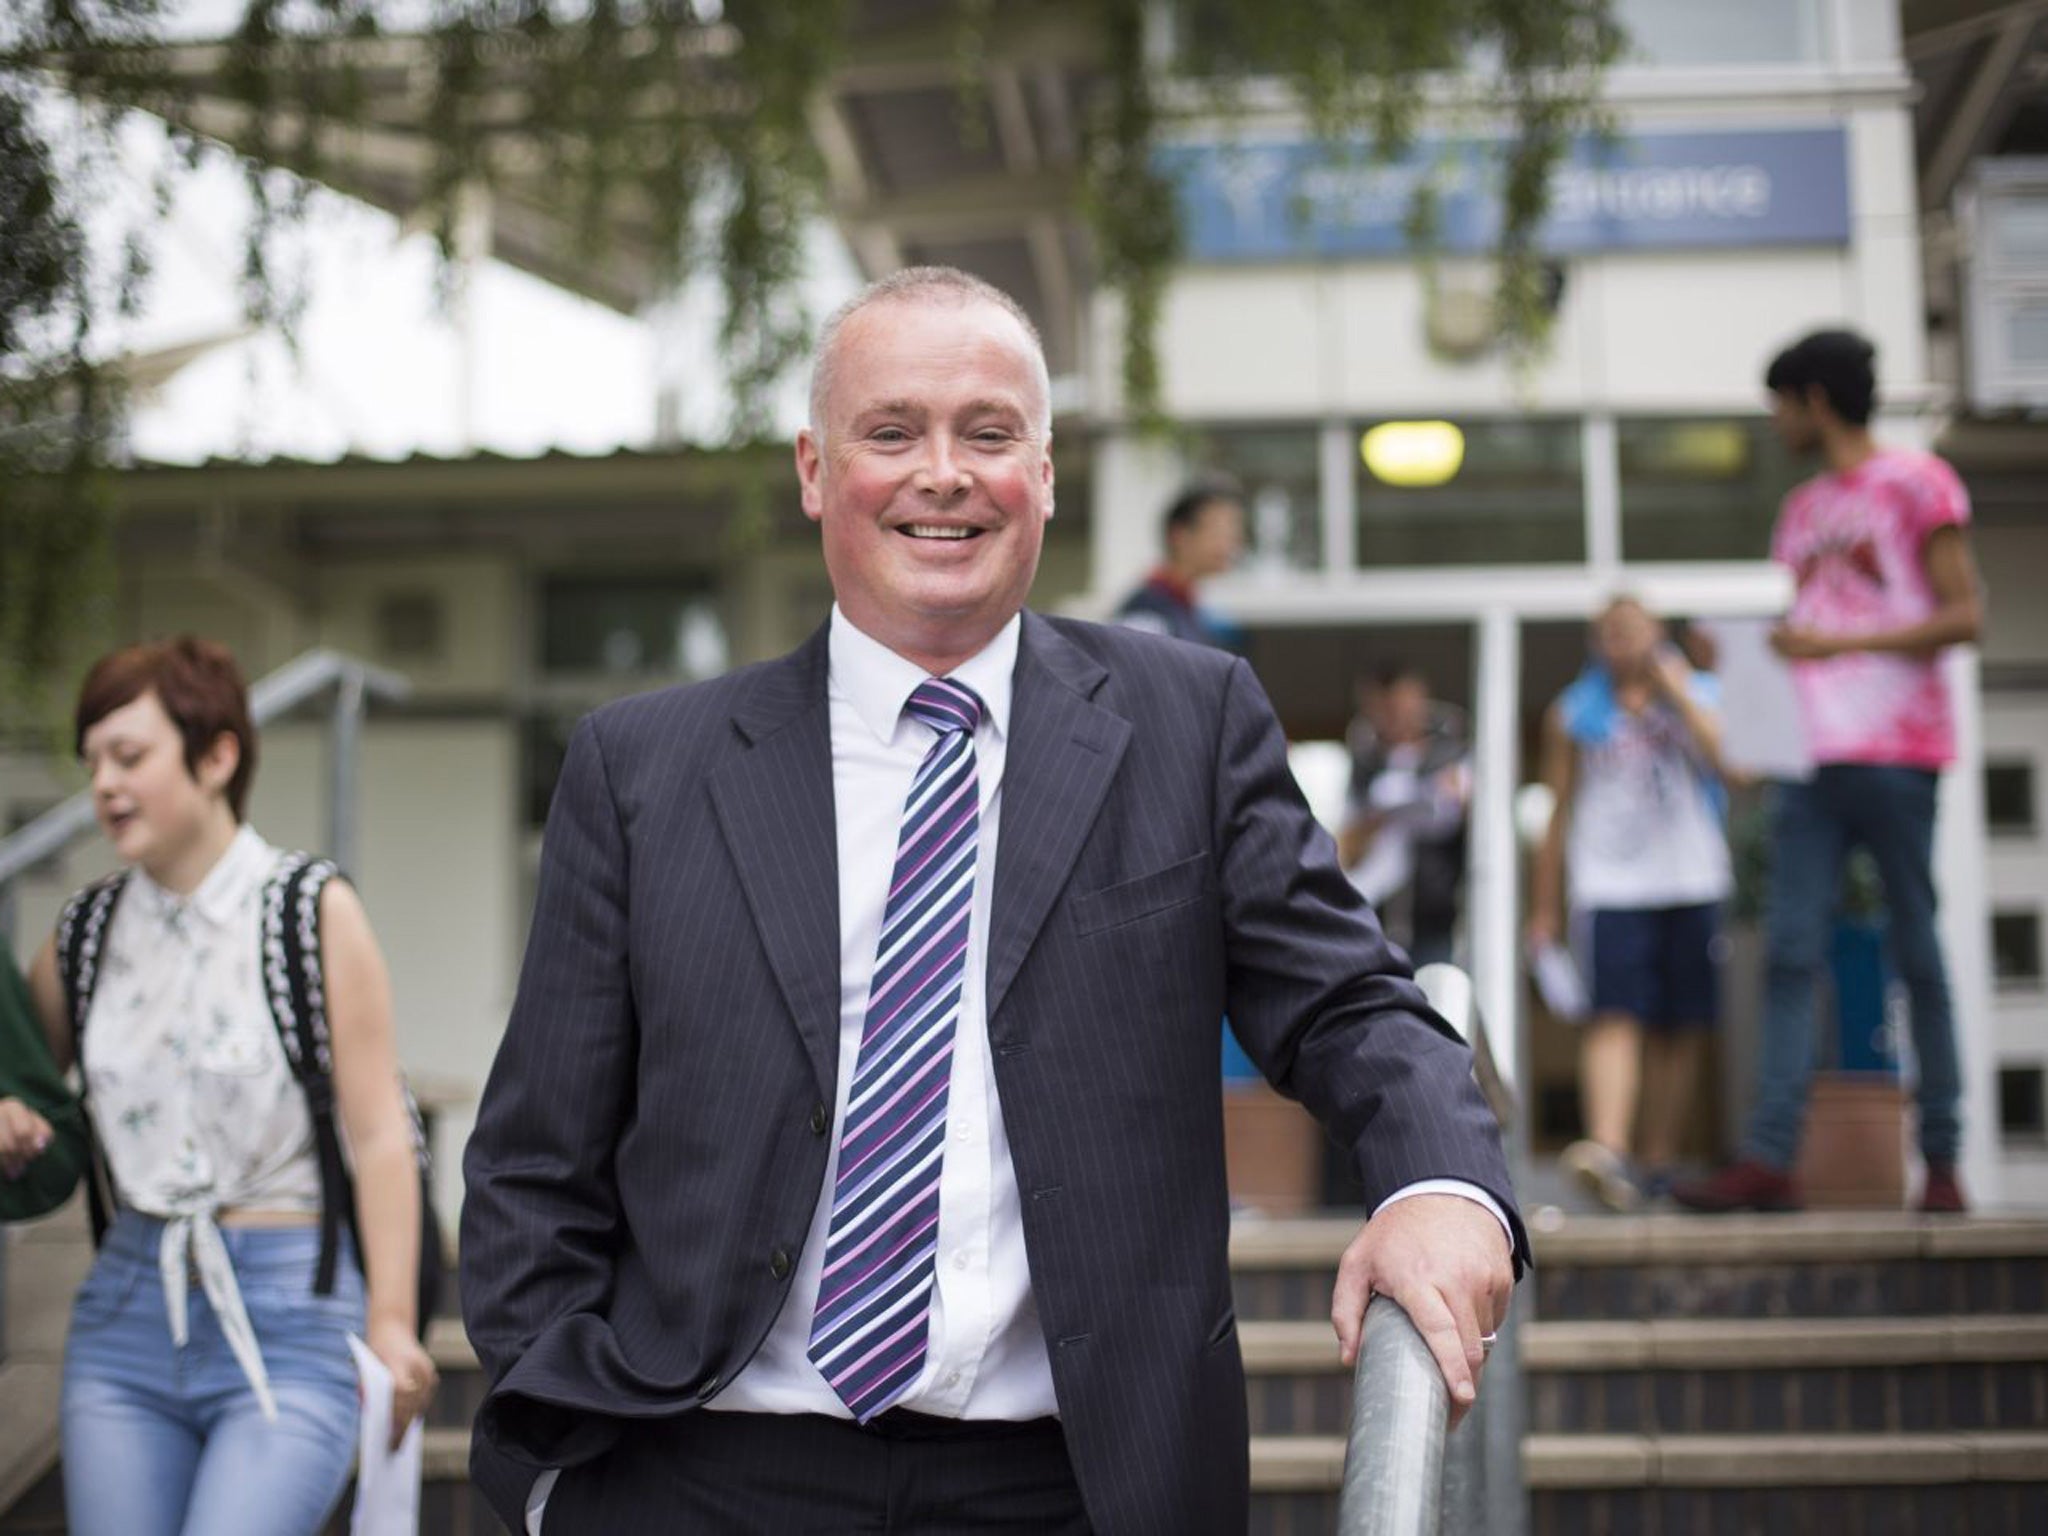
(853, 1159)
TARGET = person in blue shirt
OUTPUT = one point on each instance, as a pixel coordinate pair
(1203, 534)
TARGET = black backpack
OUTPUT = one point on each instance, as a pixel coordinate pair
(293, 982)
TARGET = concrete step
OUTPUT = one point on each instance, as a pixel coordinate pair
(1297, 1462)
(1794, 1484)
(1804, 1264)
(1789, 1376)
(46, 1263)
(1788, 1485)
(1677, 1376)
(1784, 1461)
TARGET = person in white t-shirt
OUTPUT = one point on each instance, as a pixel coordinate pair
(1631, 753)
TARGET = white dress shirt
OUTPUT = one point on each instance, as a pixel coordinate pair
(986, 1356)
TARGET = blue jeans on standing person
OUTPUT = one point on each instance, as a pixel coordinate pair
(163, 1441)
(1814, 828)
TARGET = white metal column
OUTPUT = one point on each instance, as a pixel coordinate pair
(1339, 485)
(1600, 451)
(1495, 889)
(1962, 876)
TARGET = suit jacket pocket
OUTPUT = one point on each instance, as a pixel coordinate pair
(1129, 901)
(1224, 1331)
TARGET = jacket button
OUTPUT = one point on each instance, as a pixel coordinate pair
(778, 1263)
(821, 1119)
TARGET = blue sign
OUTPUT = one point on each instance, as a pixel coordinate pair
(1647, 192)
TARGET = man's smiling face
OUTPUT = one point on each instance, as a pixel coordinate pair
(929, 472)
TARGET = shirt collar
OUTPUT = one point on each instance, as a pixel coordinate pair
(1182, 592)
(224, 885)
(878, 683)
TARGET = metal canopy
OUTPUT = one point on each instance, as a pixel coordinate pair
(1982, 68)
(919, 170)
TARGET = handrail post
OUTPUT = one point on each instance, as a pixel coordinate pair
(1482, 1457)
(1394, 1462)
(295, 683)
(344, 746)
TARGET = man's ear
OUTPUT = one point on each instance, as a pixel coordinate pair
(810, 470)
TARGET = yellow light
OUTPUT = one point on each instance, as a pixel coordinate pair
(1413, 453)
(1716, 448)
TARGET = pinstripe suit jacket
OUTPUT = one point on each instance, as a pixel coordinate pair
(653, 1138)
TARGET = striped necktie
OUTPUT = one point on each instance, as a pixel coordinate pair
(869, 1331)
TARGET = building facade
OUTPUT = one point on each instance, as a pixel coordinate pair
(1762, 181)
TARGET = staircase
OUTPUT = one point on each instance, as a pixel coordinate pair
(1835, 1373)
(1823, 1372)
(1853, 1375)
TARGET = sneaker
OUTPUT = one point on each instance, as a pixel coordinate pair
(1655, 1183)
(1743, 1186)
(1602, 1174)
(1942, 1195)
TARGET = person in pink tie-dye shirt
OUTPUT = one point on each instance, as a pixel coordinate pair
(1878, 546)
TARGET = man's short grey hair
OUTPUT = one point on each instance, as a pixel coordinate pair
(912, 283)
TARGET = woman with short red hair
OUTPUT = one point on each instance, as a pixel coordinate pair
(207, 1387)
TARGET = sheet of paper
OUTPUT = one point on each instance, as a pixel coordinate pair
(387, 1481)
(1761, 733)
(1388, 862)
(1559, 983)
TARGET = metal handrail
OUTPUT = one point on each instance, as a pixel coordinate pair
(1394, 1461)
(277, 693)
(1405, 1473)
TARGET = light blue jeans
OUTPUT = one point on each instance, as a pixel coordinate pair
(1814, 826)
(162, 1441)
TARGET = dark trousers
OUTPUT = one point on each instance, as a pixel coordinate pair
(1814, 826)
(795, 1474)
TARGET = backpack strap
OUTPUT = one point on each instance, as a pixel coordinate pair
(81, 940)
(296, 987)
(295, 982)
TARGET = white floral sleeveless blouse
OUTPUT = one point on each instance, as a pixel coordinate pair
(190, 1092)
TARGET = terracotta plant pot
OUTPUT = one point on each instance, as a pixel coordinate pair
(1853, 1154)
(1273, 1148)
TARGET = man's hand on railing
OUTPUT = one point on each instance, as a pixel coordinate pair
(1445, 1259)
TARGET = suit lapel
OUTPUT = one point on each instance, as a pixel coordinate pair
(774, 804)
(1063, 754)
